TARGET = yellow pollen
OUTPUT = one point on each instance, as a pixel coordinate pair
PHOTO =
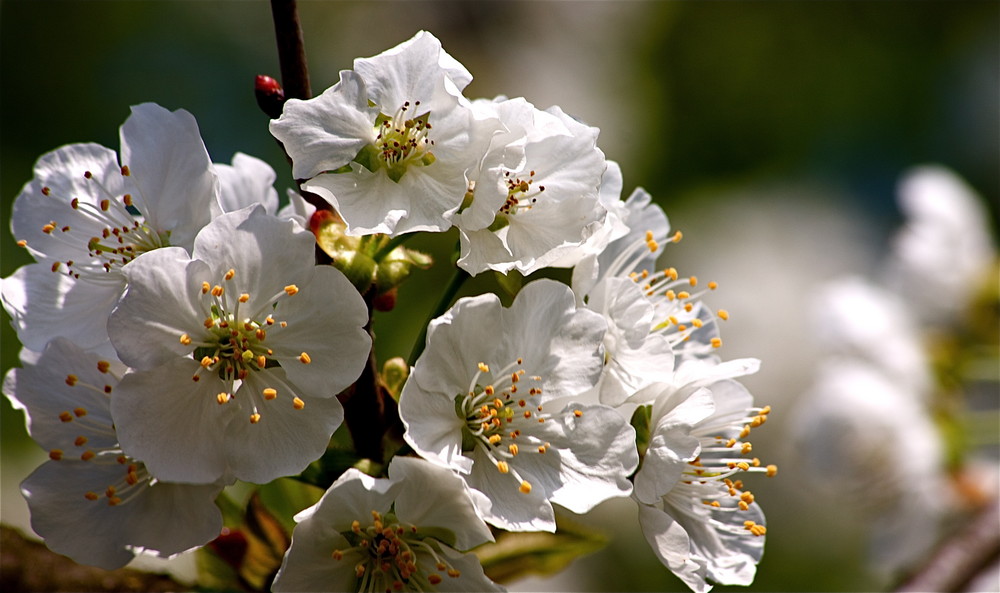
(712, 503)
(127, 199)
(527, 413)
(298, 404)
(218, 291)
(91, 496)
(743, 506)
(254, 418)
(103, 366)
(304, 358)
(185, 339)
(80, 441)
(772, 470)
(79, 412)
(503, 467)
(65, 416)
(125, 171)
(205, 287)
(260, 334)
(222, 398)
(244, 297)
(434, 579)
(747, 497)
(765, 411)
(696, 322)
(22, 243)
(497, 403)
(55, 454)
(755, 462)
(229, 275)
(206, 361)
(681, 327)
(270, 393)
(671, 295)
(716, 342)
(71, 380)
(132, 478)
(261, 361)
(356, 526)
(494, 439)
(359, 570)
(87, 455)
(541, 449)
(578, 413)
(47, 229)
(758, 420)
(683, 294)
(291, 289)
(525, 487)
(743, 465)
(512, 448)
(730, 442)
(745, 431)
(677, 237)
(114, 501)
(337, 555)
(489, 390)
(688, 307)
(283, 324)
(747, 447)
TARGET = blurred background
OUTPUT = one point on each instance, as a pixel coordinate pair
(772, 133)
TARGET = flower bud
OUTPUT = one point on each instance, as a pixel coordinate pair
(270, 96)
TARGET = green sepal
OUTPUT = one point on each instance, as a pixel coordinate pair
(640, 422)
(395, 371)
(368, 157)
(511, 282)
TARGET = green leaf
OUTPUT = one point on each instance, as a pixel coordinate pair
(515, 555)
(286, 497)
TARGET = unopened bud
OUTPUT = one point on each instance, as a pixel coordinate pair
(270, 95)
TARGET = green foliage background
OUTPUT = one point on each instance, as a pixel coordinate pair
(694, 99)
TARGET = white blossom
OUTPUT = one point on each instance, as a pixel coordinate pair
(92, 501)
(229, 345)
(478, 401)
(404, 533)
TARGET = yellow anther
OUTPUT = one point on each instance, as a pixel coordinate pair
(185, 339)
(91, 496)
(697, 323)
(758, 420)
(677, 237)
(765, 410)
(283, 324)
(673, 320)
(688, 307)
(80, 441)
(743, 506)
(525, 487)
(454, 573)
(206, 361)
(103, 366)
(223, 397)
(681, 327)
(671, 273)
(527, 413)
(359, 570)
(71, 380)
(730, 442)
(541, 449)
(22, 243)
(713, 285)
(114, 501)
(743, 465)
(495, 439)
(652, 245)
(772, 470)
(79, 412)
(755, 462)
(229, 275)
(747, 497)
(261, 361)
(503, 467)
(434, 579)
(47, 229)
(693, 281)
(205, 287)
(260, 334)
(55, 454)
(497, 403)
(270, 393)
(337, 555)
(716, 342)
(244, 297)
(578, 413)
(127, 199)
(670, 294)
(723, 314)
(298, 404)
(747, 447)
(745, 431)
(291, 289)
(254, 418)
(512, 448)
(304, 358)
(218, 291)
(125, 171)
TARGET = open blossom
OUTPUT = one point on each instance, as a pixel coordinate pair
(865, 438)
(942, 254)
(238, 351)
(247, 181)
(695, 512)
(480, 401)
(521, 214)
(91, 501)
(404, 533)
(85, 214)
(655, 318)
(390, 144)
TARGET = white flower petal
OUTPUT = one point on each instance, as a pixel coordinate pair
(246, 182)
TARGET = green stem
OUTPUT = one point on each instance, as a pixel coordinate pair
(392, 244)
(457, 279)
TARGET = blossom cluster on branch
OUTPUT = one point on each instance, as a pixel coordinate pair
(179, 336)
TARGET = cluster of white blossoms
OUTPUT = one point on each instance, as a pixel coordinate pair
(876, 387)
(179, 336)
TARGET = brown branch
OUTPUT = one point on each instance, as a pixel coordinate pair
(27, 565)
(291, 49)
(962, 557)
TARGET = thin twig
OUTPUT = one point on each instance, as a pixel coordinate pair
(291, 49)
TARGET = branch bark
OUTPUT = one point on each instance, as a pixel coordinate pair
(291, 49)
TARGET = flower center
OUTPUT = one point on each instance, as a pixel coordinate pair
(401, 142)
(498, 414)
(123, 235)
(233, 344)
(389, 551)
(521, 195)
